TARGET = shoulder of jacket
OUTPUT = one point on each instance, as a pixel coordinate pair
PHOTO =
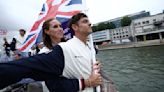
(44, 50)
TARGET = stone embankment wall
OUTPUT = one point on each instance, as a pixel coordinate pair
(132, 44)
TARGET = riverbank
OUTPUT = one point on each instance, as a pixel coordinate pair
(131, 45)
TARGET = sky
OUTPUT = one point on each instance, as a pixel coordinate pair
(16, 14)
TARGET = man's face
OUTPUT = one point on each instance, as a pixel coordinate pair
(22, 33)
(84, 26)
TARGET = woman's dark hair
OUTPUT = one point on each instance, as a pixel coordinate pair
(46, 38)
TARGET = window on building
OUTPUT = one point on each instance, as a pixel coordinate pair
(143, 22)
(139, 23)
(154, 20)
(135, 24)
(147, 22)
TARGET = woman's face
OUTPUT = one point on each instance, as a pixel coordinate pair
(55, 30)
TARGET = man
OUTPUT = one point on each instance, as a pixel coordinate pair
(72, 59)
(20, 40)
(77, 50)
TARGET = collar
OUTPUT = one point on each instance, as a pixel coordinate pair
(81, 42)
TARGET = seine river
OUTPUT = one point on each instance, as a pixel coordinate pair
(135, 69)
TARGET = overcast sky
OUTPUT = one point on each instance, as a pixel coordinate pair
(16, 14)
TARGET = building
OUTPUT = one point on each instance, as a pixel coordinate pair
(144, 27)
(101, 36)
(149, 28)
(122, 34)
(118, 35)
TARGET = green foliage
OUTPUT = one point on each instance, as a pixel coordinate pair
(94, 28)
(126, 21)
(111, 25)
(103, 26)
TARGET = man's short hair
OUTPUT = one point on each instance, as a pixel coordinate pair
(22, 30)
(76, 18)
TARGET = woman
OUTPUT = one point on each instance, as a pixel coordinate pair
(52, 35)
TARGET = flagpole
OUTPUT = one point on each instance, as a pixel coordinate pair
(97, 89)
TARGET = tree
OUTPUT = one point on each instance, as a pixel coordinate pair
(126, 21)
(101, 26)
(111, 25)
(94, 28)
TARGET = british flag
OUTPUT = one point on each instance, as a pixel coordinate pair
(62, 10)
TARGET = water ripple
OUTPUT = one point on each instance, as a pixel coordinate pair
(135, 69)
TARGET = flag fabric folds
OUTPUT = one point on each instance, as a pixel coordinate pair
(62, 10)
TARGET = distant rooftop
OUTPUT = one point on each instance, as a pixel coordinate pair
(129, 15)
(133, 16)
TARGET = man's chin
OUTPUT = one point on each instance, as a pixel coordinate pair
(89, 33)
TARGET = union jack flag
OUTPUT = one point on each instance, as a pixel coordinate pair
(62, 10)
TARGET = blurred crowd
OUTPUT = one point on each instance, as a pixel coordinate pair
(11, 49)
(11, 52)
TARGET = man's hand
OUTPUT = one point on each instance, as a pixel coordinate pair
(95, 79)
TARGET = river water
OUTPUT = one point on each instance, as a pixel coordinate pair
(135, 69)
